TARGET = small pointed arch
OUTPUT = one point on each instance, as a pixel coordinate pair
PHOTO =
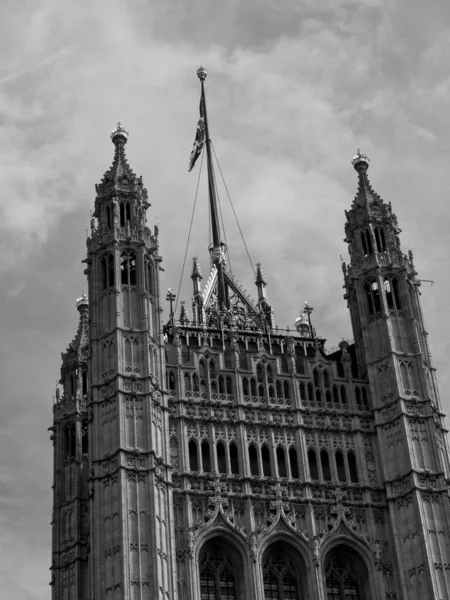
(193, 454)
(282, 569)
(325, 462)
(286, 389)
(221, 457)
(220, 571)
(352, 467)
(279, 389)
(220, 381)
(316, 377)
(265, 459)
(343, 395)
(259, 372)
(206, 456)
(253, 386)
(340, 466)
(128, 267)
(346, 575)
(364, 398)
(195, 386)
(335, 394)
(187, 382)
(245, 388)
(312, 462)
(202, 368)
(302, 388)
(281, 462)
(293, 462)
(326, 378)
(229, 385)
(310, 392)
(253, 459)
(234, 458)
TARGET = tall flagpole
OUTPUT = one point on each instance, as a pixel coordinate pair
(217, 251)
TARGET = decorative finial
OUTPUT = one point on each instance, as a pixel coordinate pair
(202, 73)
(360, 160)
(82, 302)
(119, 134)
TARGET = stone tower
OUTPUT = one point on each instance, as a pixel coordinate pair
(113, 518)
(219, 457)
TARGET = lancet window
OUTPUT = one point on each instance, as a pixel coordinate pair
(218, 572)
(293, 462)
(253, 459)
(107, 271)
(206, 456)
(366, 242)
(193, 455)
(234, 459)
(280, 574)
(312, 462)
(125, 213)
(352, 466)
(373, 296)
(345, 575)
(281, 462)
(380, 239)
(221, 457)
(70, 441)
(128, 267)
(391, 290)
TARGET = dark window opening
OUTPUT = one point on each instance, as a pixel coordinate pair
(245, 386)
(286, 389)
(310, 392)
(325, 461)
(271, 391)
(170, 380)
(217, 579)
(358, 395)
(221, 384)
(234, 460)
(352, 467)
(281, 460)
(265, 457)
(108, 216)
(269, 374)
(335, 394)
(316, 378)
(364, 398)
(340, 466)
(312, 461)
(293, 462)
(319, 395)
(221, 458)
(229, 385)
(206, 457)
(279, 389)
(84, 439)
(128, 268)
(373, 296)
(280, 576)
(193, 455)
(70, 440)
(84, 386)
(253, 458)
(195, 386)
(328, 398)
(302, 391)
(187, 382)
(253, 386)
(259, 372)
(343, 395)
(326, 379)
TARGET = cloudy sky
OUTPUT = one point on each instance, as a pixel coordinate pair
(293, 90)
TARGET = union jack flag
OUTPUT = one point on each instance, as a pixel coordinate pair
(199, 139)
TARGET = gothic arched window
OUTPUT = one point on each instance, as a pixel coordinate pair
(281, 573)
(366, 242)
(293, 462)
(340, 466)
(345, 575)
(286, 389)
(265, 457)
(193, 455)
(380, 239)
(234, 460)
(219, 568)
(373, 296)
(312, 461)
(245, 386)
(221, 458)
(206, 457)
(302, 391)
(107, 271)
(253, 458)
(392, 292)
(128, 268)
(281, 460)
(325, 462)
(326, 379)
(352, 467)
(229, 386)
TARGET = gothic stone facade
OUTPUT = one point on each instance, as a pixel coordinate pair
(217, 457)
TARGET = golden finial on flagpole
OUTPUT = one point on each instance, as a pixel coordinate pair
(202, 73)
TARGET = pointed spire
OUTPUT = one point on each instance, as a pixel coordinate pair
(184, 319)
(260, 277)
(365, 195)
(196, 271)
(77, 350)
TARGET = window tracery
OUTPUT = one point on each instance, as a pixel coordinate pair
(345, 575)
(128, 267)
(373, 296)
(280, 574)
(218, 573)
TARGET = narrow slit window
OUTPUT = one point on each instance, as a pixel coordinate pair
(193, 455)
(234, 459)
(312, 461)
(221, 458)
(352, 467)
(265, 457)
(340, 466)
(281, 460)
(253, 458)
(293, 462)
(325, 461)
(206, 457)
